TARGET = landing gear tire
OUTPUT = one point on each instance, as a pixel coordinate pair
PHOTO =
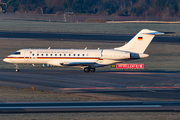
(17, 67)
(92, 70)
(86, 69)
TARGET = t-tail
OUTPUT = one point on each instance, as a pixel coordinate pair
(140, 42)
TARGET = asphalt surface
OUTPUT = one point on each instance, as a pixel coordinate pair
(75, 36)
(90, 107)
(129, 84)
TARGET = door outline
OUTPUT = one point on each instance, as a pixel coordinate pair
(27, 57)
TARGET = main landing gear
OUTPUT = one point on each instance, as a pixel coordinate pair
(89, 69)
(17, 67)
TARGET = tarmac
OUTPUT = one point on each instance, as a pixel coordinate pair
(90, 107)
(151, 85)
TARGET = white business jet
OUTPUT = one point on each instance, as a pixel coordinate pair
(88, 59)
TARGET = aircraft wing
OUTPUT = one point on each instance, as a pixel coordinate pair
(70, 63)
(78, 64)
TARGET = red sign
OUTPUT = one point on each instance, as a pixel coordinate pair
(122, 66)
(136, 66)
(130, 66)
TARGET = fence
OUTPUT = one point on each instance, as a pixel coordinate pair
(80, 18)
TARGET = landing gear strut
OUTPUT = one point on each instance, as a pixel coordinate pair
(17, 67)
(89, 69)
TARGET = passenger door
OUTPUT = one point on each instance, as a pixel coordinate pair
(27, 56)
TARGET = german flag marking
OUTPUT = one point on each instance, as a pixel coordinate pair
(140, 38)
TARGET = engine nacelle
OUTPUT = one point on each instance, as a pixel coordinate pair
(138, 55)
(119, 55)
(115, 55)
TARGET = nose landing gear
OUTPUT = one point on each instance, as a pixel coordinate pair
(17, 67)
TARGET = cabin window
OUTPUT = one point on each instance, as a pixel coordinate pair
(16, 53)
(37, 54)
(64, 54)
(86, 54)
(82, 54)
(41, 54)
(32, 54)
(59, 54)
(78, 54)
(69, 54)
(46, 54)
(74, 54)
(51, 54)
(55, 54)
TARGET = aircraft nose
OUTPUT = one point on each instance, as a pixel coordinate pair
(5, 60)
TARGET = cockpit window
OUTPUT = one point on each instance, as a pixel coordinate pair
(17, 53)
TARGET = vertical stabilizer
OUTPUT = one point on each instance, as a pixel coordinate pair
(140, 42)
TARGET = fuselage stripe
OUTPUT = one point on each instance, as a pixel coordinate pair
(51, 58)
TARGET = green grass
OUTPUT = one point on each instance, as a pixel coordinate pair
(35, 26)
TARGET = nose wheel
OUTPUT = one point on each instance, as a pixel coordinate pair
(17, 67)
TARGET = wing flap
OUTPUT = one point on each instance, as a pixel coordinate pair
(79, 63)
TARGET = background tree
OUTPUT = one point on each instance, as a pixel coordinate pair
(151, 8)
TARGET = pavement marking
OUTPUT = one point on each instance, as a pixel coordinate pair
(155, 87)
(133, 73)
(112, 106)
(93, 88)
(144, 84)
(96, 88)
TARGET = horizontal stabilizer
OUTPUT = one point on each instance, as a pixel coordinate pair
(169, 32)
(154, 33)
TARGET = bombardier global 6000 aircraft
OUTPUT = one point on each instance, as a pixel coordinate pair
(88, 59)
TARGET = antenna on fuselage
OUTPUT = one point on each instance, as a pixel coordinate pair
(49, 47)
(85, 48)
